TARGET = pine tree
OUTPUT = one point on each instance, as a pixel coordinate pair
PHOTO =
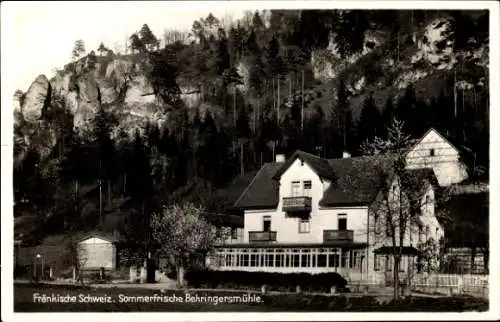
(102, 49)
(388, 115)
(147, 37)
(136, 43)
(369, 121)
(222, 61)
(78, 50)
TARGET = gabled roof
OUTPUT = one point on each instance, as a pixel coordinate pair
(417, 142)
(263, 191)
(229, 195)
(319, 165)
(358, 181)
(101, 235)
(353, 181)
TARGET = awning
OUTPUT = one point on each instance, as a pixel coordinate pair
(389, 250)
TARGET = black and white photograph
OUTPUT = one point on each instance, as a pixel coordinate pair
(241, 159)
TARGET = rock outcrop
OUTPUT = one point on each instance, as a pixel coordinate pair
(36, 100)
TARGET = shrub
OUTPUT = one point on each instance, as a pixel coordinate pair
(275, 281)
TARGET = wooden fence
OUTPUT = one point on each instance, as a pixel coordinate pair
(451, 284)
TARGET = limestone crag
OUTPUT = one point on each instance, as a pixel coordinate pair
(36, 99)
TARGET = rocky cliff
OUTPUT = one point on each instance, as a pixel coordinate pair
(118, 83)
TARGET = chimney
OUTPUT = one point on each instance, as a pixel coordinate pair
(346, 155)
(280, 158)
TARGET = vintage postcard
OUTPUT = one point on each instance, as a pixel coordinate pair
(234, 160)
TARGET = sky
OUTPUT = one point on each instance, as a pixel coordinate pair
(40, 36)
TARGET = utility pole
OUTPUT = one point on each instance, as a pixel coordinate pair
(302, 107)
(455, 91)
(242, 170)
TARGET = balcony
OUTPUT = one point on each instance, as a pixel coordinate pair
(261, 236)
(297, 204)
(337, 236)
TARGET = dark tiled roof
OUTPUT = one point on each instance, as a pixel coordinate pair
(358, 181)
(354, 181)
(417, 179)
(263, 191)
(319, 165)
(230, 195)
(225, 220)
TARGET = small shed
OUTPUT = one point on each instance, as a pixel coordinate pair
(97, 250)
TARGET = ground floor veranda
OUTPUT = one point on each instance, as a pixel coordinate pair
(353, 262)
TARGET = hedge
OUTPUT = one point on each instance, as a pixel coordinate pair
(321, 282)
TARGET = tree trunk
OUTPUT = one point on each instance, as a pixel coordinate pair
(100, 203)
(180, 273)
(109, 192)
(241, 160)
(278, 104)
(397, 261)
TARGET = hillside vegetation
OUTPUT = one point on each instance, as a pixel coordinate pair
(112, 136)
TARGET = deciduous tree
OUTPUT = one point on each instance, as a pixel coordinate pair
(183, 232)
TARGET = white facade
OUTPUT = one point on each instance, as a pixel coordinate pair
(434, 151)
(95, 252)
(330, 239)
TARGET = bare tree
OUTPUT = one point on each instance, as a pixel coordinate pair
(183, 233)
(171, 36)
(396, 213)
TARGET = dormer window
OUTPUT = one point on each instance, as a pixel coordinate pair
(432, 152)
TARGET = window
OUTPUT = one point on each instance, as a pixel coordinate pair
(280, 258)
(304, 226)
(306, 260)
(296, 189)
(269, 261)
(234, 233)
(376, 263)
(342, 221)
(322, 260)
(266, 224)
(295, 259)
(388, 264)
(307, 188)
(427, 200)
(427, 230)
(333, 260)
(343, 259)
(254, 260)
(244, 260)
(432, 152)
(354, 259)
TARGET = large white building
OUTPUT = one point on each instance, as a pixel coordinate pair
(309, 214)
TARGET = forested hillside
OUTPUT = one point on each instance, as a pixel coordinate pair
(113, 136)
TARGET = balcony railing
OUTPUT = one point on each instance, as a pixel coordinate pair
(337, 235)
(261, 236)
(300, 204)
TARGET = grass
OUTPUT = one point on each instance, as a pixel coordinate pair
(178, 301)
